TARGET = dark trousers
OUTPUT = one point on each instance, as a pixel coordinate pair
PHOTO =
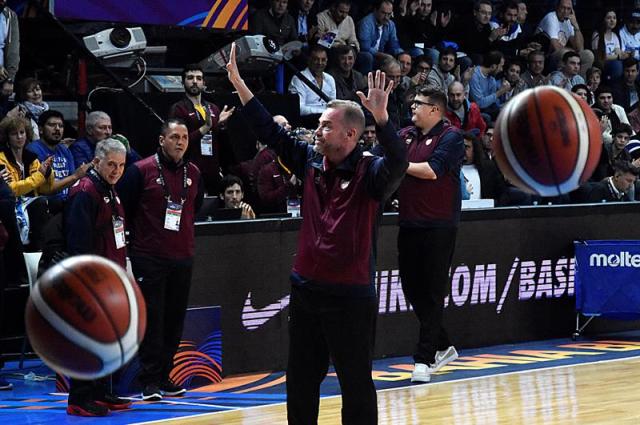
(321, 327)
(424, 257)
(165, 286)
(82, 391)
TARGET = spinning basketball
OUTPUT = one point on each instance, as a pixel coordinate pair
(85, 317)
(547, 141)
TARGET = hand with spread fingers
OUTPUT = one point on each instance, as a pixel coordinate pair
(377, 98)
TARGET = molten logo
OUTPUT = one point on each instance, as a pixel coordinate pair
(623, 259)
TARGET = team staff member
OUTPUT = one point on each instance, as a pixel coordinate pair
(94, 226)
(430, 202)
(161, 194)
(333, 298)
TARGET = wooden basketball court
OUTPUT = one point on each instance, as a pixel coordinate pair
(606, 392)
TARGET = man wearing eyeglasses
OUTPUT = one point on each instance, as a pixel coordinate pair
(430, 202)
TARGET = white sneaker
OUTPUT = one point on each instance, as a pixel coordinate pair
(443, 358)
(421, 373)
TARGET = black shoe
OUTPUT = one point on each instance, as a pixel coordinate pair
(151, 392)
(112, 402)
(171, 389)
(86, 408)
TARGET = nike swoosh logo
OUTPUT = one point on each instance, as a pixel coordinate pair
(253, 318)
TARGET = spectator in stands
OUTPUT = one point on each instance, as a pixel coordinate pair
(616, 149)
(421, 70)
(475, 37)
(28, 178)
(634, 118)
(161, 195)
(630, 34)
(420, 29)
(487, 141)
(49, 145)
(527, 28)
(406, 63)
(348, 80)
(513, 43)
(616, 187)
(534, 75)
(583, 91)
(397, 107)
(29, 98)
(569, 75)
(368, 139)
(462, 113)
(203, 119)
(312, 105)
(512, 75)
(10, 42)
(377, 35)
(607, 48)
(232, 193)
(626, 90)
(336, 19)
(484, 89)
(94, 224)
(306, 21)
(612, 115)
(561, 26)
(442, 76)
(98, 127)
(486, 181)
(594, 77)
(275, 22)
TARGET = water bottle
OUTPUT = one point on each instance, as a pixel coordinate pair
(293, 206)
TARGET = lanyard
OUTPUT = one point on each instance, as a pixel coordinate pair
(167, 195)
(111, 194)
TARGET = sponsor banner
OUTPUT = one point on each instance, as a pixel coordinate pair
(511, 280)
(607, 278)
(226, 15)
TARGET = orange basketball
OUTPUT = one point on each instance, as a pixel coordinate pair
(547, 141)
(85, 317)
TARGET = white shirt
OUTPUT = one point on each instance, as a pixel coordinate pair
(610, 45)
(310, 102)
(561, 31)
(630, 42)
(507, 37)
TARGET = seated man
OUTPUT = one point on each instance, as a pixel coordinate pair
(312, 105)
(486, 181)
(462, 113)
(569, 75)
(337, 20)
(275, 22)
(626, 90)
(512, 75)
(348, 80)
(231, 194)
(617, 187)
(612, 115)
(377, 35)
(484, 89)
(441, 76)
(561, 26)
(534, 76)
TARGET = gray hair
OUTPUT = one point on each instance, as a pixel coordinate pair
(107, 146)
(94, 117)
(353, 115)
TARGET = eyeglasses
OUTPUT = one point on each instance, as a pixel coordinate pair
(418, 103)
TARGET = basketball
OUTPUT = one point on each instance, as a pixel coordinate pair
(85, 317)
(547, 141)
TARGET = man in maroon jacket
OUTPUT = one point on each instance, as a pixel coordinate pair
(333, 298)
(203, 120)
(161, 194)
(94, 226)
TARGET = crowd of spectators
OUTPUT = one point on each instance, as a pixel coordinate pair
(479, 54)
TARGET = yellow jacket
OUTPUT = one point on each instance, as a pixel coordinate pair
(36, 181)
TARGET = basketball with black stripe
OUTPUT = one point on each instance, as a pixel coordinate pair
(85, 317)
(547, 141)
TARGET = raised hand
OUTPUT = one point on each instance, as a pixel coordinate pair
(377, 97)
(232, 67)
(225, 114)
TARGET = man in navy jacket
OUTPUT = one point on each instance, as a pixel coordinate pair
(333, 298)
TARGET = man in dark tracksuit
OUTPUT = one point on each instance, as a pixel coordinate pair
(333, 298)
(161, 194)
(94, 224)
(430, 202)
